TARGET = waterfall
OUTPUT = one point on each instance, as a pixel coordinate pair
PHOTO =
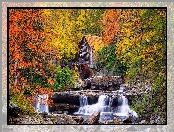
(123, 108)
(102, 100)
(83, 101)
(103, 105)
(110, 103)
(41, 103)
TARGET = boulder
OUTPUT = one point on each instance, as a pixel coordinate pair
(117, 120)
(94, 118)
(14, 110)
(128, 120)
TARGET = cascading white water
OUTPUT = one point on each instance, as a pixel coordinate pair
(41, 103)
(38, 101)
(83, 101)
(124, 109)
(104, 106)
(125, 106)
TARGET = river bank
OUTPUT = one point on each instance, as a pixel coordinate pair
(101, 107)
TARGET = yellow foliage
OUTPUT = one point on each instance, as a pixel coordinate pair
(75, 73)
(63, 32)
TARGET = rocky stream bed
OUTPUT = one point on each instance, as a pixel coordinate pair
(70, 108)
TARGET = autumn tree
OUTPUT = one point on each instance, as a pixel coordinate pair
(140, 37)
(26, 53)
(93, 23)
(110, 25)
(61, 33)
(64, 28)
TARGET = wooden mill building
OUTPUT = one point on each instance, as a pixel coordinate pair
(88, 47)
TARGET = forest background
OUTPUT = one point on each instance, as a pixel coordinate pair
(41, 40)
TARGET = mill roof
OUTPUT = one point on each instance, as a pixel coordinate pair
(93, 40)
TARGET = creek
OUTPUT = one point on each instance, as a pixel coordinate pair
(105, 104)
(106, 107)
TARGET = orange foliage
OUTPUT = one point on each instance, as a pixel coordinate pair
(26, 48)
(111, 26)
(51, 81)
